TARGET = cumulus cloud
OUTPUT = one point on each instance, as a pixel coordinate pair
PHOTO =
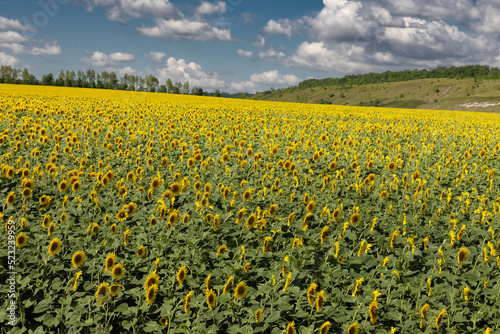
(243, 53)
(156, 56)
(207, 8)
(274, 78)
(354, 36)
(283, 27)
(10, 24)
(185, 29)
(123, 10)
(100, 59)
(8, 60)
(180, 70)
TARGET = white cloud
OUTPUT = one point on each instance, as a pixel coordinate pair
(120, 56)
(272, 54)
(180, 70)
(12, 37)
(243, 86)
(283, 27)
(243, 53)
(51, 49)
(10, 24)
(123, 10)
(8, 60)
(261, 41)
(185, 29)
(100, 59)
(125, 70)
(207, 8)
(156, 56)
(274, 78)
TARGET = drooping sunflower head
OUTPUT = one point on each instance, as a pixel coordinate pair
(311, 293)
(114, 289)
(273, 210)
(118, 271)
(325, 328)
(258, 315)
(113, 228)
(102, 292)
(240, 291)
(78, 259)
(462, 255)
(353, 329)
(290, 328)
(51, 229)
(320, 301)
(228, 285)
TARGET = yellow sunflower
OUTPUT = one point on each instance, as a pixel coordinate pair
(101, 294)
(114, 289)
(11, 198)
(258, 315)
(211, 298)
(228, 285)
(54, 246)
(141, 251)
(181, 275)
(151, 294)
(21, 240)
(78, 259)
(152, 279)
(118, 271)
(240, 291)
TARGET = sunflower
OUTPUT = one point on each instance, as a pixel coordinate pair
(311, 292)
(324, 233)
(152, 278)
(26, 193)
(273, 210)
(187, 307)
(228, 285)
(211, 298)
(222, 249)
(78, 259)
(372, 310)
(175, 188)
(163, 321)
(131, 208)
(113, 228)
(155, 183)
(240, 291)
(151, 294)
(247, 195)
(251, 221)
(21, 240)
(204, 201)
(63, 186)
(353, 329)
(462, 255)
(51, 229)
(439, 318)
(126, 235)
(28, 184)
(391, 166)
(95, 228)
(311, 206)
(54, 246)
(109, 262)
(114, 289)
(190, 162)
(336, 215)
(258, 315)
(320, 301)
(181, 274)
(290, 328)
(185, 219)
(102, 292)
(266, 246)
(77, 277)
(325, 328)
(355, 218)
(118, 271)
(76, 186)
(11, 198)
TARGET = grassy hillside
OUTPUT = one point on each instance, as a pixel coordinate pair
(445, 94)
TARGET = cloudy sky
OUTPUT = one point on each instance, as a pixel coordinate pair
(247, 45)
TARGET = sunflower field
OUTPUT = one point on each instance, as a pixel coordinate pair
(147, 213)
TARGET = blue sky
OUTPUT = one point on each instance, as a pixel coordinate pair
(247, 45)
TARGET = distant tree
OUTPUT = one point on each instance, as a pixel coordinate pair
(178, 87)
(217, 93)
(151, 83)
(60, 79)
(185, 88)
(170, 86)
(162, 89)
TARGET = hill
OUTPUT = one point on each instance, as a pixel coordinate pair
(475, 92)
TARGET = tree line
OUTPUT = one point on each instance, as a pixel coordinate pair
(455, 72)
(103, 80)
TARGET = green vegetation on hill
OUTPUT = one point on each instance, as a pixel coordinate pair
(472, 87)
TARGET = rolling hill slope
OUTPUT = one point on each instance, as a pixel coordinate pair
(442, 93)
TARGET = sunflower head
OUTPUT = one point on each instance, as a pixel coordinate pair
(240, 291)
(141, 251)
(26, 193)
(118, 271)
(109, 262)
(21, 240)
(163, 321)
(101, 294)
(151, 294)
(176, 188)
(181, 274)
(211, 298)
(462, 255)
(355, 218)
(152, 279)
(258, 315)
(54, 246)
(63, 186)
(114, 289)
(78, 259)
(290, 328)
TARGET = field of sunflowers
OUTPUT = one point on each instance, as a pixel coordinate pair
(146, 213)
